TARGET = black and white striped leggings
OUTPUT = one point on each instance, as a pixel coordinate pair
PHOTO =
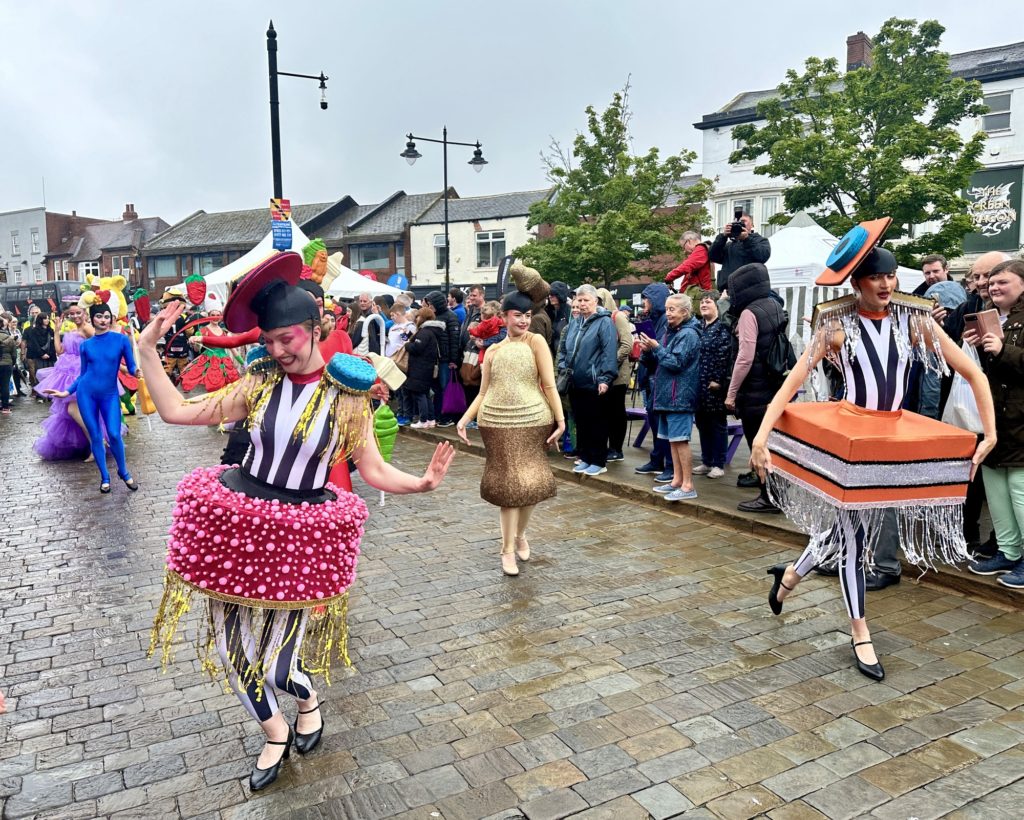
(279, 640)
(847, 540)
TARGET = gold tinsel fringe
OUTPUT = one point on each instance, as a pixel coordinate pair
(325, 640)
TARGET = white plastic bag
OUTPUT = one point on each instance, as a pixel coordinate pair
(961, 408)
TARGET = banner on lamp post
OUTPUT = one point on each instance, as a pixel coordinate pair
(281, 224)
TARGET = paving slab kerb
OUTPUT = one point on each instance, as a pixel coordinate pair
(632, 669)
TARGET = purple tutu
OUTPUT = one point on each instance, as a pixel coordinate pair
(62, 438)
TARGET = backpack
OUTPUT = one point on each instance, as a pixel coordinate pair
(779, 357)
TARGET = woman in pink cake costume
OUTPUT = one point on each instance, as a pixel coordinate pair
(271, 545)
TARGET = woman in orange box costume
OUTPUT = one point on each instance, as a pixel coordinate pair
(842, 470)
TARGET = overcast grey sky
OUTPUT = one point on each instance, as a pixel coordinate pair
(165, 104)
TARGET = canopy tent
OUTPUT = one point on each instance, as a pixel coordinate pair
(348, 284)
(799, 251)
(230, 272)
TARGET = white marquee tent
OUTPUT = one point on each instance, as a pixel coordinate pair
(348, 284)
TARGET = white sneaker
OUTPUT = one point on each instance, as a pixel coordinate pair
(716, 472)
(418, 425)
(701, 469)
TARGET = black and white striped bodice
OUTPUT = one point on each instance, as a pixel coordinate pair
(277, 457)
(876, 375)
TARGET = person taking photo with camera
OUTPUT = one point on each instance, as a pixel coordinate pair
(738, 244)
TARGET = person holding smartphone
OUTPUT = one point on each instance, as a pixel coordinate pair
(736, 245)
(1000, 342)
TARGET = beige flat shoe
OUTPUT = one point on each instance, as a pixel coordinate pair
(522, 554)
(508, 564)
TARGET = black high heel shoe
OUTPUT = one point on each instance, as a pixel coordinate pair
(261, 778)
(130, 484)
(869, 670)
(779, 571)
(304, 744)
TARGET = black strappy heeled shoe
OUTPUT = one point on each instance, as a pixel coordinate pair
(261, 778)
(305, 743)
(105, 487)
(869, 670)
(779, 571)
(130, 484)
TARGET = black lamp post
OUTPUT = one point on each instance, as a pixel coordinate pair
(275, 122)
(410, 154)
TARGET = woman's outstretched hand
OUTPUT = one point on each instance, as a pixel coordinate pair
(437, 469)
(161, 323)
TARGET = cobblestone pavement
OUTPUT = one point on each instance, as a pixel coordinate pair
(633, 670)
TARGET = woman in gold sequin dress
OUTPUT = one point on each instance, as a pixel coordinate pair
(519, 416)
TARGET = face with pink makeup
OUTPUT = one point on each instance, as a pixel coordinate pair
(295, 347)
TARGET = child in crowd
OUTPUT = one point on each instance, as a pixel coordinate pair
(490, 329)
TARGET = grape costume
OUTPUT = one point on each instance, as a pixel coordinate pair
(62, 438)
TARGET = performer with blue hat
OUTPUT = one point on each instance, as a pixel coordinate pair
(271, 544)
(843, 471)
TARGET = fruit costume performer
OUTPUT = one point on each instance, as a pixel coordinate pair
(96, 388)
(844, 471)
(271, 545)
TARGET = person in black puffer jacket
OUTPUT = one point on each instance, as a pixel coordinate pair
(424, 358)
(758, 315)
(451, 352)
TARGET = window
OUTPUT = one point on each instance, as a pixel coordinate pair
(17, 274)
(115, 265)
(370, 256)
(125, 265)
(722, 215)
(746, 204)
(998, 116)
(202, 264)
(35, 241)
(85, 268)
(769, 207)
(164, 267)
(490, 248)
(400, 255)
(64, 269)
(15, 247)
(37, 272)
(440, 251)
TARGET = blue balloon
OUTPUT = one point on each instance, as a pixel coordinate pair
(397, 280)
(849, 246)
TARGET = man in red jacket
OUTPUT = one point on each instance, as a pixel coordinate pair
(695, 269)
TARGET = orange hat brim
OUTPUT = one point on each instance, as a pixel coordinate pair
(876, 229)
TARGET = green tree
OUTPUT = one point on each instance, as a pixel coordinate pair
(878, 141)
(608, 206)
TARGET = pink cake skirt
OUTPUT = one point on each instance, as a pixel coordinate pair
(263, 553)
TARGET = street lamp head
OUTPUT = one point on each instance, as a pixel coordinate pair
(410, 153)
(478, 162)
(323, 92)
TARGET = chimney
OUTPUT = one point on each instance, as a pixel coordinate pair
(858, 51)
(129, 209)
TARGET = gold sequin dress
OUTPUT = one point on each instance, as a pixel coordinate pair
(515, 421)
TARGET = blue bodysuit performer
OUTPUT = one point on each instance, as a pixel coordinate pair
(96, 388)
